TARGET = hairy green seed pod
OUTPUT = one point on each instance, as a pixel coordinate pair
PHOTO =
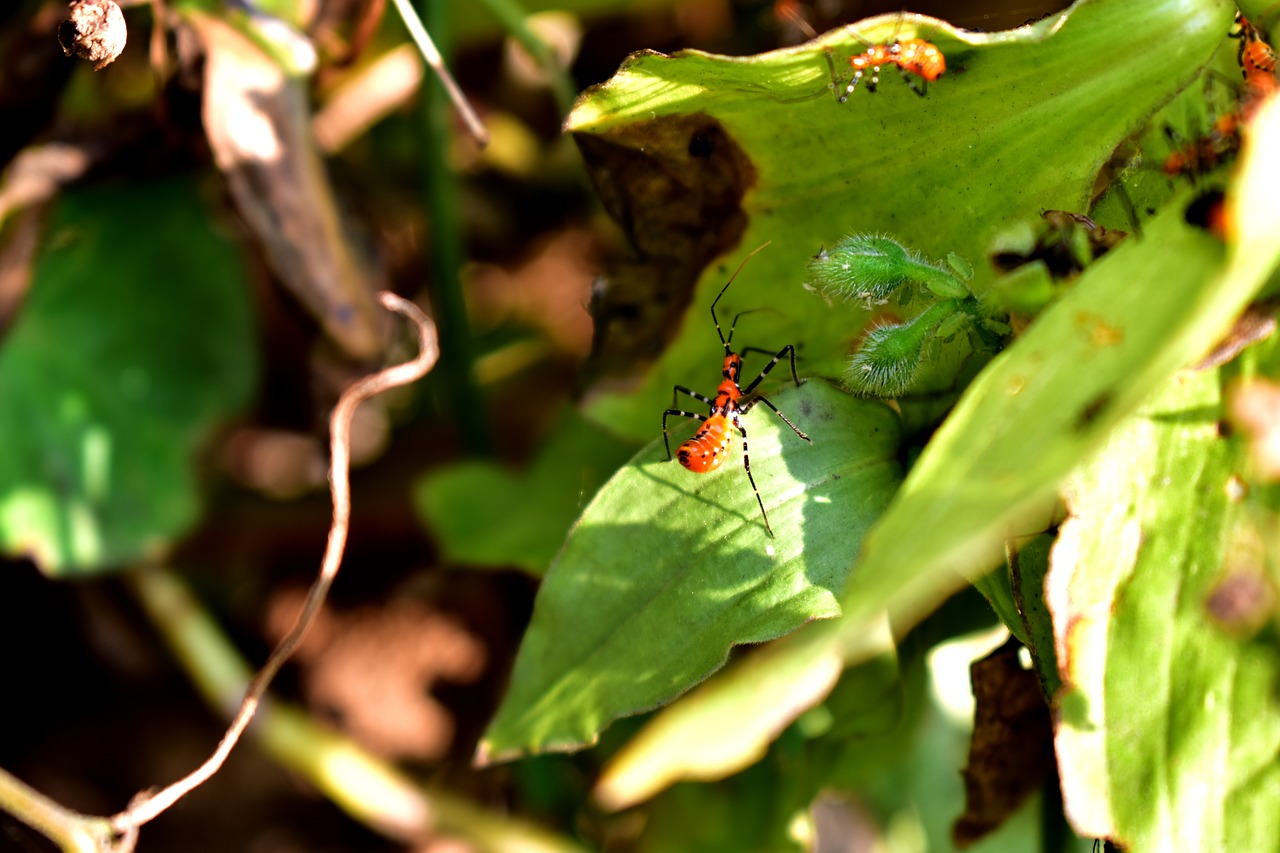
(871, 267)
(866, 267)
(890, 356)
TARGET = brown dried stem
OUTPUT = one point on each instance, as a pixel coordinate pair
(433, 58)
(148, 806)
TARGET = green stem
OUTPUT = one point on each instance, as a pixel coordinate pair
(372, 791)
(515, 21)
(70, 830)
(942, 283)
(444, 212)
(997, 590)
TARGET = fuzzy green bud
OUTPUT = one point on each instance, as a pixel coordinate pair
(871, 267)
(890, 356)
(866, 267)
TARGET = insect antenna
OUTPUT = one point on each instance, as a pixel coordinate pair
(723, 339)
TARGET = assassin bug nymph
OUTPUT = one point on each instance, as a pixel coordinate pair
(710, 444)
(911, 56)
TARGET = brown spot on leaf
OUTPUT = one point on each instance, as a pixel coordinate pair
(1101, 334)
(1242, 602)
(1011, 751)
(675, 185)
(1092, 410)
(1243, 598)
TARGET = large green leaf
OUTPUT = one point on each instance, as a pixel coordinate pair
(136, 337)
(667, 123)
(1168, 726)
(699, 154)
(655, 758)
(666, 570)
(1132, 319)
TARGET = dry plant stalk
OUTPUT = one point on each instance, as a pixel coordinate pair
(433, 58)
(146, 806)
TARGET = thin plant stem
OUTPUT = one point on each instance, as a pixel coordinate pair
(433, 58)
(370, 789)
(70, 830)
(147, 806)
(445, 218)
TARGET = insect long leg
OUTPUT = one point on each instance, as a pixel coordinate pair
(747, 406)
(666, 439)
(922, 89)
(680, 389)
(788, 350)
(739, 316)
(746, 463)
(836, 85)
(844, 96)
(871, 84)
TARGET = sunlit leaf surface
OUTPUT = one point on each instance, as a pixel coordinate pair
(666, 569)
(704, 157)
(1169, 729)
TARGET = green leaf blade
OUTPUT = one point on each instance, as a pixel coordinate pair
(936, 173)
(667, 569)
(1167, 718)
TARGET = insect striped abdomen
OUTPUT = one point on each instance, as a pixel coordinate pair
(707, 449)
(922, 59)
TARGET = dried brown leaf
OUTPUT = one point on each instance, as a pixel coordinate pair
(258, 127)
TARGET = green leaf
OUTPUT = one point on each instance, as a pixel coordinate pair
(135, 339)
(1169, 726)
(668, 569)
(656, 757)
(1028, 565)
(484, 515)
(759, 147)
(997, 589)
(1132, 319)
(1022, 426)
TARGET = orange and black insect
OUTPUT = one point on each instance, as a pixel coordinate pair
(1257, 64)
(710, 444)
(1201, 155)
(914, 56)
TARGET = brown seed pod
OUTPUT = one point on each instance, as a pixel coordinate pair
(94, 30)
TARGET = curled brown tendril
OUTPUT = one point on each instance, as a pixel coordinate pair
(147, 806)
